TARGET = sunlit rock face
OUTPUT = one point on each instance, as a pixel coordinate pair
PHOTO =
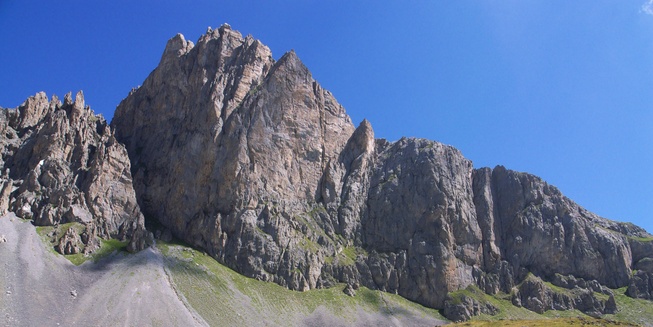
(248, 158)
(229, 150)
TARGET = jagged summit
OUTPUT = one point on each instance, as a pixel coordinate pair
(176, 46)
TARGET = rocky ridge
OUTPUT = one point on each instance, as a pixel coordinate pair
(62, 164)
(251, 160)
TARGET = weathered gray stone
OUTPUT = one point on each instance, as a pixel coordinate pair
(61, 163)
(349, 290)
(611, 306)
(69, 243)
(548, 233)
(536, 296)
(645, 265)
(229, 148)
(420, 202)
(461, 307)
(571, 282)
(641, 286)
(6, 186)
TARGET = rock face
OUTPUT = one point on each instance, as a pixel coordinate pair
(251, 160)
(641, 284)
(62, 164)
(229, 149)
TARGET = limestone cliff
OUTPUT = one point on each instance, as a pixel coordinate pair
(251, 160)
(62, 164)
(228, 149)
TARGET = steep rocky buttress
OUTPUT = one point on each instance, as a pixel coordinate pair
(251, 160)
(228, 151)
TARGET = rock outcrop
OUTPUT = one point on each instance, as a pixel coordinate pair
(541, 229)
(537, 296)
(464, 304)
(641, 283)
(251, 160)
(69, 243)
(61, 164)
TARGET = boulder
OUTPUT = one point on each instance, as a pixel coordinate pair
(70, 242)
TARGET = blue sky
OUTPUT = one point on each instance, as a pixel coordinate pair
(560, 89)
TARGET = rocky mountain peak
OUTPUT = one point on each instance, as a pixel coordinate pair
(246, 137)
(32, 111)
(362, 140)
(177, 46)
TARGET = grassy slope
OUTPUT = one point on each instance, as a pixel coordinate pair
(225, 298)
(636, 311)
(631, 312)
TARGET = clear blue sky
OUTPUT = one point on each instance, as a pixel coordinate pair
(560, 89)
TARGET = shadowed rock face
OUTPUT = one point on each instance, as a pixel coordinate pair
(251, 160)
(62, 164)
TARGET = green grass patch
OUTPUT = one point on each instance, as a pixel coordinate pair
(50, 235)
(558, 289)
(309, 245)
(391, 178)
(641, 239)
(507, 311)
(502, 301)
(43, 232)
(352, 252)
(223, 297)
(77, 259)
(346, 257)
(471, 291)
(107, 247)
(632, 312)
(310, 218)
